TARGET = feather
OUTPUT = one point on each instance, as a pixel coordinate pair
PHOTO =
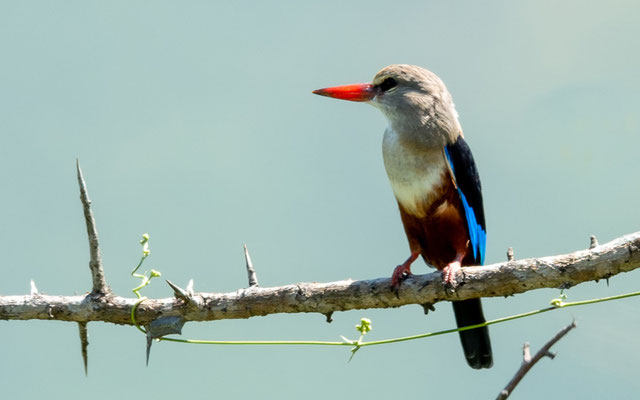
(467, 180)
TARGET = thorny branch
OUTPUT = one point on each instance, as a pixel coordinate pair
(501, 279)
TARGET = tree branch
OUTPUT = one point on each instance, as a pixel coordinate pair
(502, 279)
(528, 362)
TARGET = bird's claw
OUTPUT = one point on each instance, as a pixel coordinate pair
(449, 274)
(400, 273)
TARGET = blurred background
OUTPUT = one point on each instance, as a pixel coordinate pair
(195, 122)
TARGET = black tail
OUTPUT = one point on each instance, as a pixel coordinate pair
(475, 342)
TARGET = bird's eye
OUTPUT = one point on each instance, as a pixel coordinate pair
(387, 84)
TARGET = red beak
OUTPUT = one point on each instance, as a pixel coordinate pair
(357, 92)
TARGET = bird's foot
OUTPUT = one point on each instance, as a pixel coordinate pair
(449, 273)
(451, 270)
(402, 272)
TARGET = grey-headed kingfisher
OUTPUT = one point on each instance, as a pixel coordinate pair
(435, 181)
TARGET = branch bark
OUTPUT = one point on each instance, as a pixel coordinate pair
(501, 279)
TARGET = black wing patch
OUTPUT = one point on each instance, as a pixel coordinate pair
(467, 179)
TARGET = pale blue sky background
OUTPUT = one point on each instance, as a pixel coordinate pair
(195, 122)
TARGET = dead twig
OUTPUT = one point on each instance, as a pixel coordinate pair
(528, 362)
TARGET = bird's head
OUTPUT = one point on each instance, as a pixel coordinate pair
(414, 100)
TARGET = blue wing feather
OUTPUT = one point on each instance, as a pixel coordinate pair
(467, 180)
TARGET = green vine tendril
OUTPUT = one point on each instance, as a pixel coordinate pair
(144, 279)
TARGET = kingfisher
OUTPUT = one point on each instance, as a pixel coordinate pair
(435, 181)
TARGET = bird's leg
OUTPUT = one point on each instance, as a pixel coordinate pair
(403, 271)
(451, 270)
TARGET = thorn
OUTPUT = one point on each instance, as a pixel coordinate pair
(190, 287)
(84, 343)
(149, 342)
(594, 242)
(34, 289)
(95, 260)
(328, 316)
(180, 293)
(251, 272)
(510, 256)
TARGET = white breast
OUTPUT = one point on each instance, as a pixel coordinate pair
(414, 174)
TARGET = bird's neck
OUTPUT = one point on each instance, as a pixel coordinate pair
(429, 131)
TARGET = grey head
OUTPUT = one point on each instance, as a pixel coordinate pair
(415, 101)
(417, 104)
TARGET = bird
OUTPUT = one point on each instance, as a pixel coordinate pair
(435, 181)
